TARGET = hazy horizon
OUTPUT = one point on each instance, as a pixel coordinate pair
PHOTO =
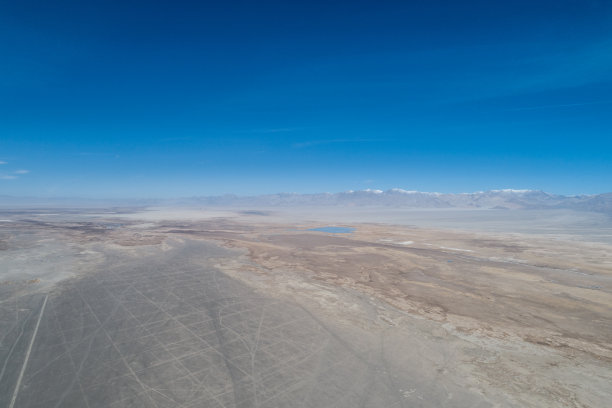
(306, 193)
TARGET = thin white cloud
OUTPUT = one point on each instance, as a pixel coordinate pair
(175, 139)
(7, 177)
(562, 105)
(301, 145)
(544, 71)
(3, 162)
(21, 171)
(275, 130)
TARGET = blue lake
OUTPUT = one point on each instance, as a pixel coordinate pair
(334, 230)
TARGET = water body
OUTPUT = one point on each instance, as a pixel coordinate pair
(334, 230)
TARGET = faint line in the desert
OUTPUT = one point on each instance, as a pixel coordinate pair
(27, 357)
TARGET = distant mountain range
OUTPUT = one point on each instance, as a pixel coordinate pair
(495, 199)
(506, 199)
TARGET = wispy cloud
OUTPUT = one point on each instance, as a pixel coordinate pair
(555, 69)
(561, 105)
(176, 139)
(13, 175)
(273, 130)
(533, 68)
(97, 154)
(310, 143)
(2, 162)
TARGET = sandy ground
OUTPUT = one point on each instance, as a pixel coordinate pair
(450, 309)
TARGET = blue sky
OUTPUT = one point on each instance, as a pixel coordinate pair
(161, 99)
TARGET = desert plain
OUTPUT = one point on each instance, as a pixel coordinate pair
(166, 307)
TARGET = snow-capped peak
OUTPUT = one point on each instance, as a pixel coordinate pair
(402, 191)
(510, 190)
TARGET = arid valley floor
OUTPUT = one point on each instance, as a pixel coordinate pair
(251, 308)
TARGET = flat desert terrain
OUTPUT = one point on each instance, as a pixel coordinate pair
(254, 308)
